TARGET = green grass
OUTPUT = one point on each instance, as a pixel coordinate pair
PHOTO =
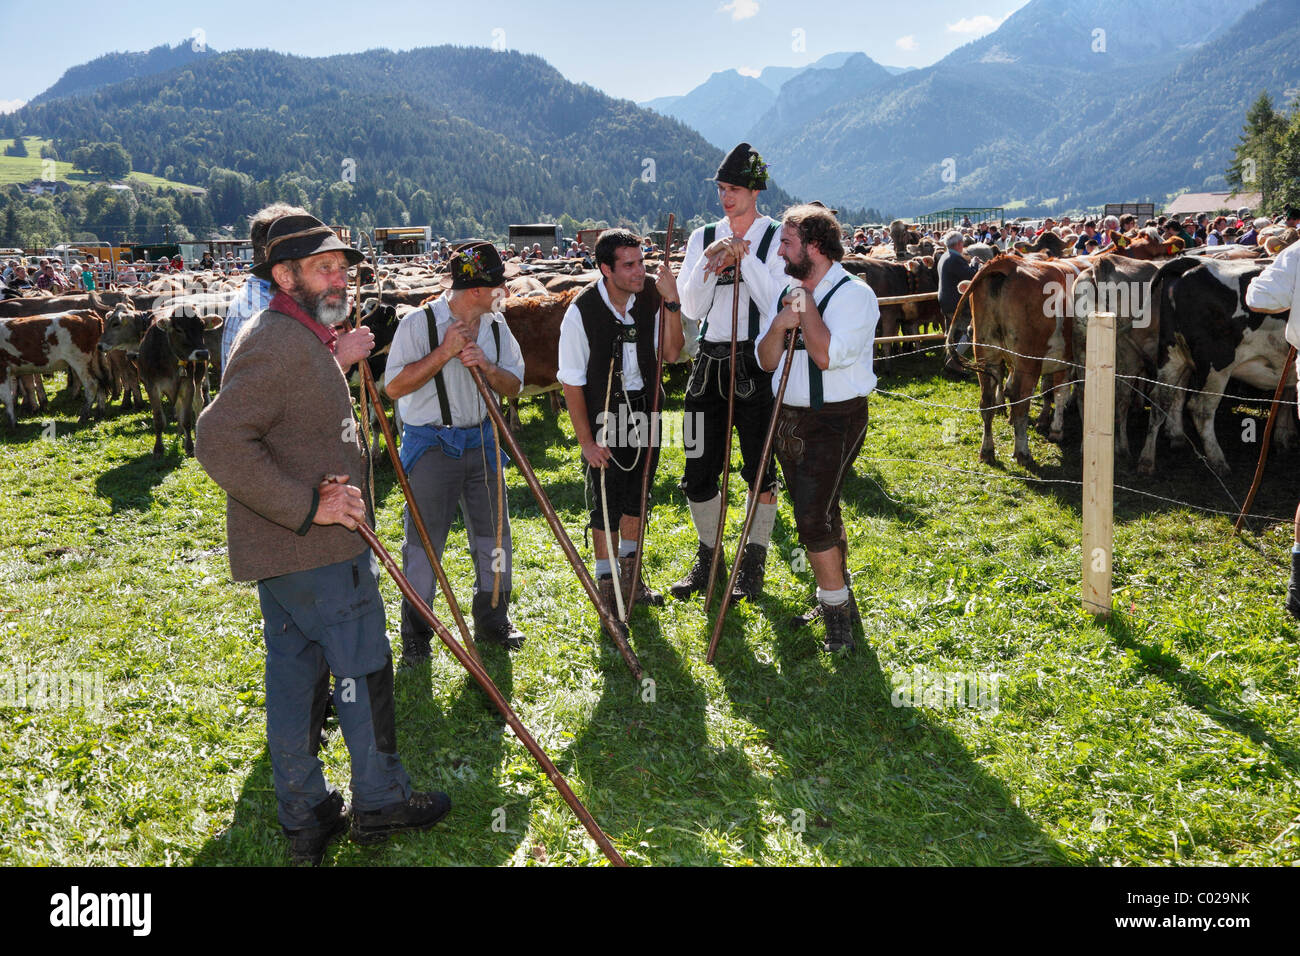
(1166, 736)
(23, 169)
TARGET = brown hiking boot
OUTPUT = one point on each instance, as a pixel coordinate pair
(839, 628)
(643, 594)
(697, 578)
(606, 585)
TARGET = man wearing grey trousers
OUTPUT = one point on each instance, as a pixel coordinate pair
(448, 448)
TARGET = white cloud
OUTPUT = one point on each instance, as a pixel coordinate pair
(906, 43)
(741, 9)
(978, 25)
(748, 71)
(10, 106)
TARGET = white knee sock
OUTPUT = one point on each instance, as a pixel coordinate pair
(705, 514)
(760, 532)
(627, 547)
(603, 568)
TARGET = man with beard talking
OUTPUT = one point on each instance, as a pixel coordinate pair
(823, 419)
(282, 441)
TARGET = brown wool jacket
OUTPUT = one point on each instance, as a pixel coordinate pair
(281, 422)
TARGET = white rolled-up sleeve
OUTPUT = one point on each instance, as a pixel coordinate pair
(764, 280)
(693, 285)
(1276, 287)
(574, 349)
(852, 325)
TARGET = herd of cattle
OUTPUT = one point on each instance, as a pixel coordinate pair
(1183, 331)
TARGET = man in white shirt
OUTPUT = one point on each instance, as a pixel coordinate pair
(448, 448)
(823, 418)
(609, 345)
(1277, 289)
(741, 242)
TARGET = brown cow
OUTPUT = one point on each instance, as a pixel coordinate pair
(1018, 313)
(534, 321)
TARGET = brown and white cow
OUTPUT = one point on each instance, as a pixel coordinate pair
(47, 343)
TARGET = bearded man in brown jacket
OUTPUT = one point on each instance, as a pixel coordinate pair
(281, 440)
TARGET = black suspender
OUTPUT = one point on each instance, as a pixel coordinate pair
(815, 399)
(431, 325)
(764, 247)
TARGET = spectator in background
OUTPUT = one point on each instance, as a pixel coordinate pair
(178, 264)
(88, 274)
(1215, 235)
(1175, 230)
(19, 279)
(1291, 218)
(1251, 236)
(1201, 234)
(10, 266)
(207, 262)
(255, 294)
(953, 270)
(1089, 234)
(126, 275)
(45, 278)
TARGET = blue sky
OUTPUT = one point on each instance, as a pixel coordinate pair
(633, 50)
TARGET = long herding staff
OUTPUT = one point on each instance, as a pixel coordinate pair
(368, 388)
(484, 681)
(611, 623)
(623, 611)
(654, 414)
(1268, 438)
(753, 503)
(726, 456)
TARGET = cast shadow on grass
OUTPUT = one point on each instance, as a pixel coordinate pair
(459, 750)
(865, 782)
(129, 486)
(253, 837)
(652, 778)
(1194, 691)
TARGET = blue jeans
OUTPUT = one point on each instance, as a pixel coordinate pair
(317, 622)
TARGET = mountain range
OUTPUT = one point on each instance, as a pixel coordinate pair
(1068, 104)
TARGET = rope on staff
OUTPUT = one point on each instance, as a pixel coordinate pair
(418, 520)
(481, 676)
(412, 508)
(726, 455)
(657, 388)
(613, 626)
(604, 511)
(753, 502)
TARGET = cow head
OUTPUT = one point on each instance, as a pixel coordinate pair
(123, 329)
(185, 334)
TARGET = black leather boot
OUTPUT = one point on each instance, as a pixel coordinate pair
(697, 578)
(1293, 589)
(492, 624)
(416, 636)
(753, 568)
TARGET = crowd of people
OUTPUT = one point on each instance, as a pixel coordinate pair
(22, 274)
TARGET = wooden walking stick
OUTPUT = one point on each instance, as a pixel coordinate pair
(726, 456)
(369, 389)
(1268, 438)
(610, 554)
(416, 519)
(484, 681)
(650, 425)
(613, 625)
(753, 503)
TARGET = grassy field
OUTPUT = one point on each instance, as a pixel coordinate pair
(23, 169)
(1168, 736)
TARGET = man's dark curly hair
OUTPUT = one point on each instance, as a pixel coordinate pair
(611, 240)
(815, 224)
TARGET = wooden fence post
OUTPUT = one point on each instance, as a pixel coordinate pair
(1099, 464)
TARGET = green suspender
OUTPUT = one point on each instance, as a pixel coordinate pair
(444, 406)
(815, 399)
(764, 246)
